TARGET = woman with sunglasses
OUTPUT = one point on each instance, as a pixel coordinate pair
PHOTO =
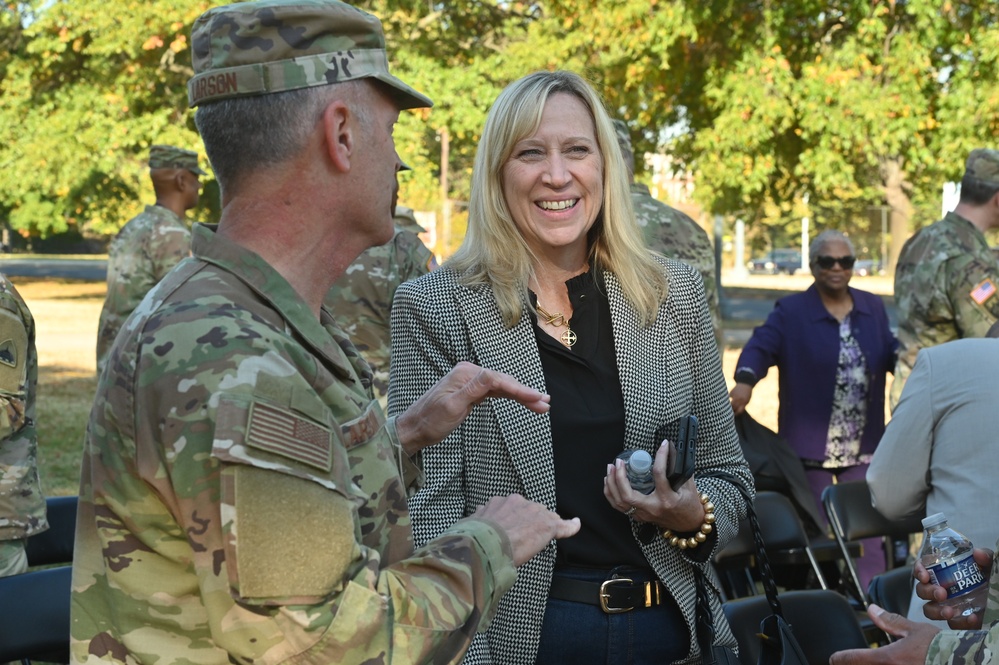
(832, 347)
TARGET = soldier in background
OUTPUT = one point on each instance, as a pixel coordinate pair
(22, 504)
(947, 277)
(151, 243)
(361, 300)
(242, 494)
(670, 232)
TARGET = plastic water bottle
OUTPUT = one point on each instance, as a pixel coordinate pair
(948, 556)
(638, 464)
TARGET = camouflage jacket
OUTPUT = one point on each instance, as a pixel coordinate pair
(361, 300)
(242, 497)
(970, 647)
(946, 288)
(677, 236)
(22, 504)
(142, 253)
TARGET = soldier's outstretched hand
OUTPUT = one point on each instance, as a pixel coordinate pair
(450, 400)
(529, 525)
(911, 648)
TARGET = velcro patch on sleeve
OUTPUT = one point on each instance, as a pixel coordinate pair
(285, 433)
(13, 352)
(983, 291)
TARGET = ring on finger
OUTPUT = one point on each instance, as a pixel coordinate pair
(630, 511)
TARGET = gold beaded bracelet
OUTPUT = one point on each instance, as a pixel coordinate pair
(701, 535)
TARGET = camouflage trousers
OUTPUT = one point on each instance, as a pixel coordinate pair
(13, 559)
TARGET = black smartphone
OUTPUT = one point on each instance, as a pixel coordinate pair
(683, 454)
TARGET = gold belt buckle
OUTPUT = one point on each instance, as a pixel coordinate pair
(605, 596)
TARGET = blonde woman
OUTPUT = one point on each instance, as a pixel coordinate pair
(554, 286)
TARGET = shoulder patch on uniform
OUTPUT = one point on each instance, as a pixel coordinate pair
(287, 434)
(983, 291)
(8, 353)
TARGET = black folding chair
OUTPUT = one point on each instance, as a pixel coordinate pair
(822, 620)
(55, 545)
(853, 517)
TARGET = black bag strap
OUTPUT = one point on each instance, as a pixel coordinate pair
(705, 625)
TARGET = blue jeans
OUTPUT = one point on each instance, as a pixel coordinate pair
(582, 634)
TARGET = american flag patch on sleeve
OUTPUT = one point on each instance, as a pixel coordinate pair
(985, 290)
(284, 433)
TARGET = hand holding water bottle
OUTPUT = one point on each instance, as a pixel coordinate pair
(952, 574)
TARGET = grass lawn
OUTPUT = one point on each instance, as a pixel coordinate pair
(66, 314)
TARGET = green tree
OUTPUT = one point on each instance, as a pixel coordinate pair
(87, 89)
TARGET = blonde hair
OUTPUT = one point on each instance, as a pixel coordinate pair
(494, 251)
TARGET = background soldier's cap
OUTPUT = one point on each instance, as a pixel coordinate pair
(257, 48)
(405, 218)
(624, 139)
(983, 165)
(172, 157)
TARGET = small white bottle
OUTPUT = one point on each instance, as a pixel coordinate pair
(638, 465)
(948, 557)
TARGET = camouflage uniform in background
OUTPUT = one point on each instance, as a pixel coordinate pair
(675, 235)
(946, 285)
(671, 232)
(248, 504)
(971, 647)
(142, 253)
(361, 300)
(22, 504)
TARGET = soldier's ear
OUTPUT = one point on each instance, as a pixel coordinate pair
(339, 134)
(179, 181)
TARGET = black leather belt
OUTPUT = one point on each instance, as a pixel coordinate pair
(618, 594)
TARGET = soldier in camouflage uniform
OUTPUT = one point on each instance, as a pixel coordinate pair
(947, 278)
(151, 243)
(361, 300)
(243, 497)
(969, 641)
(671, 232)
(22, 504)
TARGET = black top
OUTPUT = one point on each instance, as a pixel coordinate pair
(587, 417)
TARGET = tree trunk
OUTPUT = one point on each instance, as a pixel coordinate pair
(895, 186)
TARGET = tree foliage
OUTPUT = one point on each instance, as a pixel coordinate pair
(835, 109)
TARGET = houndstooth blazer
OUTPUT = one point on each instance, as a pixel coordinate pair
(669, 369)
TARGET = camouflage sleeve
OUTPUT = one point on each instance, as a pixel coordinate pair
(973, 290)
(22, 504)
(963, 647)
(167, 247)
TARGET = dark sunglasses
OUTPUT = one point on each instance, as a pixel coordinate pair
(827, 262)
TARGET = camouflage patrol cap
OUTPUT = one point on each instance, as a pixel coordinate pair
(257, 48)
(983, 165)
(624, 139)
(405, 218)
(172, 157)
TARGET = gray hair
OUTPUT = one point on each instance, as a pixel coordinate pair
(246, 133)
(823, 238)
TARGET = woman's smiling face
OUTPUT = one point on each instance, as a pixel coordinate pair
(553, 180)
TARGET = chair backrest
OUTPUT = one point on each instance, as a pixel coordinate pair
(849, 503)
(781, 528)
(55, 545)
(35, 626)
(822, 621)
(853, 517)
(892, 590)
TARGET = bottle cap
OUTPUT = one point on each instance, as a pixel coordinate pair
(640, 461)
(933, 520)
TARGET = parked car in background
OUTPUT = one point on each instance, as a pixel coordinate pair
(777, 261)
(865, 267)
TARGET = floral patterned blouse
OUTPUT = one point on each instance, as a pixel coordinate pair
(849, 407)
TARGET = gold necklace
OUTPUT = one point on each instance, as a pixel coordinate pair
(557, 320)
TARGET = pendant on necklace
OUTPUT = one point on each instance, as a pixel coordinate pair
(568, 337)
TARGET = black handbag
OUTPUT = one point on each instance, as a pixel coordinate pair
(778, 644)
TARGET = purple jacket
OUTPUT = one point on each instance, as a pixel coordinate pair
(802, 339)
